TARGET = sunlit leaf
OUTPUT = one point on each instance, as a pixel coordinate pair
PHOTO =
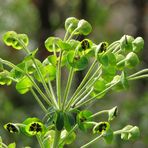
(23, 85)
(12, 145)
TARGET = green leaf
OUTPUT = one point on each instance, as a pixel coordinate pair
(108, 136)
(131, 60)
(52, 59)
(59, 123)
(70, 139)
(99, 85)
(103, 59)
(71, 24)
(111, 58)
(51, 44)
(17, 75)
(23, 85)
(112, 113)
(84, 27)
(64, 45)
(82, 119)
(108, 72)
(12, 145)
(77, 62)
(138, 44)
(49, 73)
(69, 121)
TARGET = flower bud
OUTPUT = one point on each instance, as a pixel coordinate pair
(126, 43)
(131, 60)
(138, 44)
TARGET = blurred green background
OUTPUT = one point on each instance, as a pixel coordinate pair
(110, 19)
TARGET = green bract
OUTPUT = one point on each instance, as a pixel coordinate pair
(9, 38)
(84, 27)
(51, 44)
(82, 119)
(71, 24)
(112, 113)
(17, 41)
(33, 126)
(101, 127)
(76, 61)
(24, 85)
(12, 128)
(69, 121)
(70, 138)
(130, 132)
(59, 120)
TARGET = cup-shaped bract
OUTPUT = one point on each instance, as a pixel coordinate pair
(84, 27)
(138, 44)
(71, 24)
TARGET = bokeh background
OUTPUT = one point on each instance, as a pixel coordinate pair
(110, 19)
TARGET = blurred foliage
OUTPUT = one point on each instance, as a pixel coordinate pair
(110, 19)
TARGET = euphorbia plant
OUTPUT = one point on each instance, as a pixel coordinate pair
(65, 112)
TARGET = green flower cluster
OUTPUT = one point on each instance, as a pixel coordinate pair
(109, 70)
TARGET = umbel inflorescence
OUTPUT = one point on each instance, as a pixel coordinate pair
(63, 109)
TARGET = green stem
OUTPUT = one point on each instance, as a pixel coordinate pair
(82, 83)
(87, 86)
(120, 131)
(72, 34)
(93, 98)
(40, 141)
(39, 101)
(92, 141)
(56, 138)
(83, 98)
(58, 79)
(138, 77)
(40, 75)
(99, 113)
(45, 85)
(68, 86)
(51, 89)
(139, 72)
